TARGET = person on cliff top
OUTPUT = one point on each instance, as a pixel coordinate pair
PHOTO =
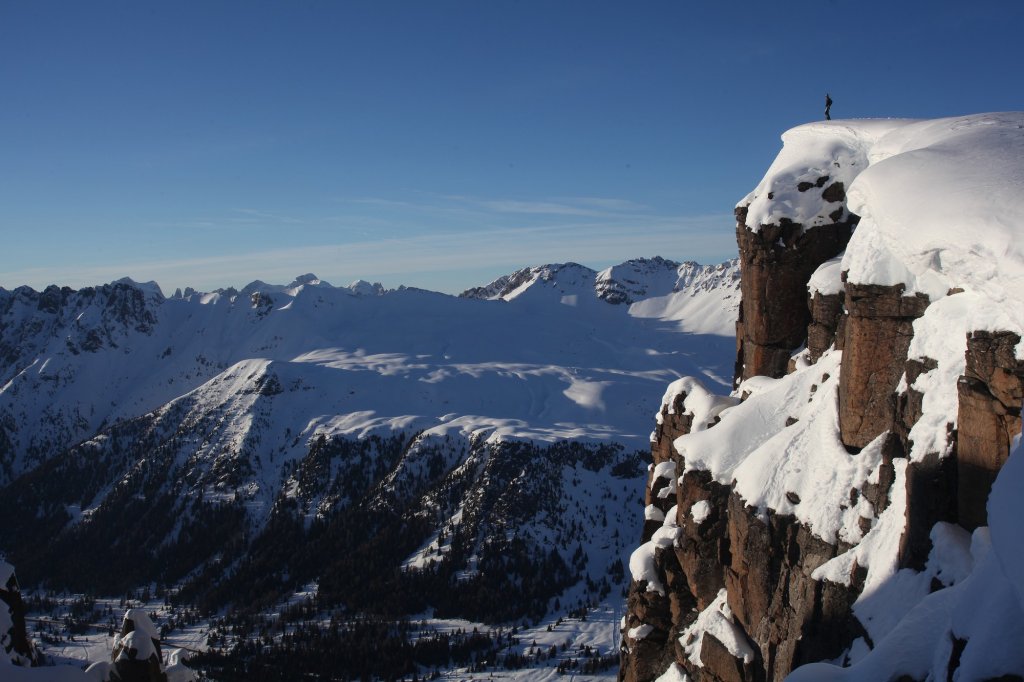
(828, 107)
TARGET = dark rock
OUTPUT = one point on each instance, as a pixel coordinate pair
(989, 417)
(703, 549)
(777, 261)
(826, 314)
(674, 423)
(721, 666)
(834, 193)
(931, 497)
(15, 643)
(645, 658)
(878, 331)
(792, 618)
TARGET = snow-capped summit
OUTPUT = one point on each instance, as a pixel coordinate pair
(361, 287)
(308, 279)
(637, 278)
(652, 283)
(555, 278)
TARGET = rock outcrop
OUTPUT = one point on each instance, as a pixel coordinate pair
(989, 417)
(15, 644)
(878, 330)
(761, 566)
(777, 261)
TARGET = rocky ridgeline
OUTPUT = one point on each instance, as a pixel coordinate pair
(724, 590)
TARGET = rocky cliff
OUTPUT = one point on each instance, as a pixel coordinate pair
(824, 510)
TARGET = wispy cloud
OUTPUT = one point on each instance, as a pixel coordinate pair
(448, 258)
(256, 215)
(591, 207)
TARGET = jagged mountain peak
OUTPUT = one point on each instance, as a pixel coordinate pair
(150, 288)
(361, 287)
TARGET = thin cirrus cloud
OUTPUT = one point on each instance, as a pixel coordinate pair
(577, 206)
(484, 238)
(593, 207)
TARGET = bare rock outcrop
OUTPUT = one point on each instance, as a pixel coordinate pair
(989, 417)
(776, 262)
(15, 644)
(792, 618)
(879, 327)
(827, 324)
(703, 546)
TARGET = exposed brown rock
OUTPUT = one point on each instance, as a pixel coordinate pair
(703, 549)
(989, 416)
(721, 666)
(673, 424)
(791, 618)
(645, 658)
(765, 560)
(826, 314)
(878, 331)
(777, 261)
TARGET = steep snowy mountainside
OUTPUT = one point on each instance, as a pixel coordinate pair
(701, 301)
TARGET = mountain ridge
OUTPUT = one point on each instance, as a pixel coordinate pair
(396, 450)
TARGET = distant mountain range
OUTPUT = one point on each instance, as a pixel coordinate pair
(401, 450)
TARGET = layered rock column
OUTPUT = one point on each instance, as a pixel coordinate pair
(777, 261)
(989, 417)
(878, 330)
(827, 325)
(791, 618)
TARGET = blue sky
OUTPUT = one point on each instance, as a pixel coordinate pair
(435, 143)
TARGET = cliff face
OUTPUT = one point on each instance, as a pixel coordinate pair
(779, 518)
(777, 260)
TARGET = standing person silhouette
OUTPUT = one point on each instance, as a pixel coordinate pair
(828, 107)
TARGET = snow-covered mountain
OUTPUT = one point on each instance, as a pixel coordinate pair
(400, 450)
(627, 283)
(75, 362)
